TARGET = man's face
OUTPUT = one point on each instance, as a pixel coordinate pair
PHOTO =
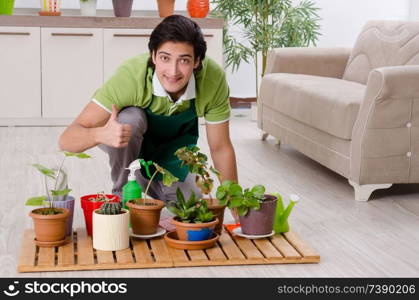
(175, 62)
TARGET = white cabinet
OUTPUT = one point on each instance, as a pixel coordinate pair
(20, 77)
(121, 44)
(72, 68)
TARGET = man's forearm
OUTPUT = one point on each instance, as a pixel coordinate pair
(77, 138)
(225, 162)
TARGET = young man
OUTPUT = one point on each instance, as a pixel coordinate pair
(150, 107)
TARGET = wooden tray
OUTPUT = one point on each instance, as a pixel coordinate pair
(229, 250)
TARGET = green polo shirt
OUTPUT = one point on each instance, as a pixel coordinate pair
(132, 85)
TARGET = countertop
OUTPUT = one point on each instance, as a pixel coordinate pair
(28, 17)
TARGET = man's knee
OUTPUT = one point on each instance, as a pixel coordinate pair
(135, 117)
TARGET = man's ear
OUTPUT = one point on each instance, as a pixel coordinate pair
(197, 62)
(153, 57)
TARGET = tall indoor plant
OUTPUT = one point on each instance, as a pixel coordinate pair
(55, 220)
(265, 25)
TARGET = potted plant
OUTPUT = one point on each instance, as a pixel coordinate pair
(256, 209)
(89, 203)
(165, 7)
(122, 8)
(88, 7)
(197, 164)
(110, 227)
(193, 220)
(144, 212)
(59, 205)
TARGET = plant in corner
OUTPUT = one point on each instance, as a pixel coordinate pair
(53, 222)
(145, 213)
(89, 203)
(110, 227)
(265, 25)
(88, 7)
(197, 164)
(256, 209)
(193, 220)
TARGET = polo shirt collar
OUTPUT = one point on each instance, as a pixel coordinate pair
(159, 91)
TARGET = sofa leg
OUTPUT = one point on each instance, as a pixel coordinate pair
(264, 136)
(364, 191)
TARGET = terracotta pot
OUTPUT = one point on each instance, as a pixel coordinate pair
(145, 218)
(172, 240)
(198, 8)
(49, 228)
(110, 232)
(122, 8)
(194, 231)
(260, 222)
(166, 7)
(218, 211)
(68, 203)
(89, 206)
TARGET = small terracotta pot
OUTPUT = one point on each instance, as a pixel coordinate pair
(89, 206)
(49, 228)
(260, 222)
(218, 211)
(145, 218)
(166, 7)
(194, 231)
(198, 8)
(110, 232)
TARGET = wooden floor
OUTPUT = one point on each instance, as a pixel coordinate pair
(379, 238)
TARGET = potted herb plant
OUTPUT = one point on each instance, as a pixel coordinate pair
(110, 227)
(256, 209)
(197, 164)
(89, 203)
(193, 220)
(59, 205)
(88, 7)
(144, 212)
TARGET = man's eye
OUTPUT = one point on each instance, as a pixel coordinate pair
(184, 61)
(164, 58)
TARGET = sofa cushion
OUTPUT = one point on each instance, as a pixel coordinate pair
(328, 104)
(382, 44)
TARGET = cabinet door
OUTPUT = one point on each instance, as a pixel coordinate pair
(214, 39)
(20, 72)
(121, 44)
(72, 69)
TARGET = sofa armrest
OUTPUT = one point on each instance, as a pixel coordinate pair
(327, 62)
(385, 138)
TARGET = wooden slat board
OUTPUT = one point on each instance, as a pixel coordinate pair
(229, 250)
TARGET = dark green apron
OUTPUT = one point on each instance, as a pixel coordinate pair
(166, 134)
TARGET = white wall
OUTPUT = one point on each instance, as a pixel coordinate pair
(342, 20)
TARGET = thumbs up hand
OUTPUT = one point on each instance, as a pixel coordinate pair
(115, 134)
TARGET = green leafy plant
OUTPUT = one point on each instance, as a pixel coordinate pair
(60, 190)
(168, 178)
(197, 163)
(111, 208)
(232, 194)
(267, 24)
(193, 210)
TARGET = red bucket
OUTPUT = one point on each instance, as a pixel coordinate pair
(89, 206)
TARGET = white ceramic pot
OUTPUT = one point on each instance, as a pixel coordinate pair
(88, 8)
(110, 232)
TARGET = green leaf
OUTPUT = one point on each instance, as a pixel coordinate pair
(242, 210)
(60, 192)
(36, 201)
(44, 170)
(83, 155)
(236, 202)
(235, 190)
(221, 193)
(258, 190)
